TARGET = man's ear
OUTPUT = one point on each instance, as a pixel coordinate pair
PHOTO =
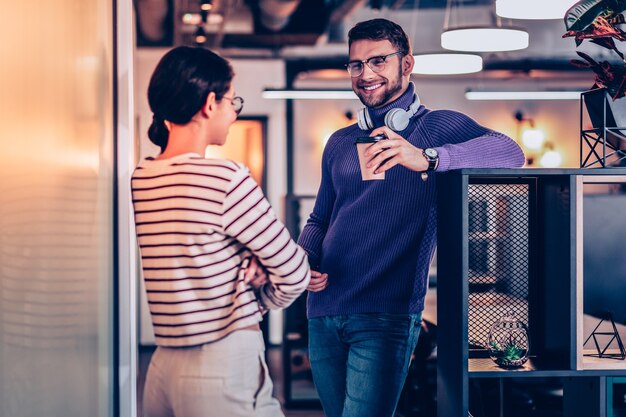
(209, 105)
(407, 64)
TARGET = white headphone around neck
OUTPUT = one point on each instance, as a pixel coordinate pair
(396, 119)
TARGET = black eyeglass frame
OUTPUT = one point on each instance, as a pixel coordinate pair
(236, 102)
(367, 62)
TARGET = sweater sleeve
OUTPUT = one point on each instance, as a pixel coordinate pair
(316, 226)
(248, 217)
(463, 143)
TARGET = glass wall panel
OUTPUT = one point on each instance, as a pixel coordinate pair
(56, 208)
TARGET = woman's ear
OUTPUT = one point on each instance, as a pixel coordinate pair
(209, 105)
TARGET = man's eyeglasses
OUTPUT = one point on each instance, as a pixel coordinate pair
(376, 64)
(237, 103)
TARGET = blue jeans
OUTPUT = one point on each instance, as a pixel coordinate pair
(360, 361)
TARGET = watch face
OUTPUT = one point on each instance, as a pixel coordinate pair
(431, 153)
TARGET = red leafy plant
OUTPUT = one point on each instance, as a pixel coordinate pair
(598, 20)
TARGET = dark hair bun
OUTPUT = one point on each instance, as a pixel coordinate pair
(158, 133)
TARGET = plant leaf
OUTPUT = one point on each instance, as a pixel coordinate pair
(586, 58)
(583, 13)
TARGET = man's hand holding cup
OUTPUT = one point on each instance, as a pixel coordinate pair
(385, 154)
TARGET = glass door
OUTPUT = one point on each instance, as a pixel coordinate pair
(57, 180)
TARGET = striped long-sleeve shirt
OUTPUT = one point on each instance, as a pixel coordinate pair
(376, 239)
(198, 223)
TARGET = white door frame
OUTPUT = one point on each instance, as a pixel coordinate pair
(127, 253)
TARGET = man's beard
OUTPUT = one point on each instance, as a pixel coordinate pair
(391, 90)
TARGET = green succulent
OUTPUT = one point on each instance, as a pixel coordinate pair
(512, 352)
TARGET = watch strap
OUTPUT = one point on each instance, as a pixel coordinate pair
(432, 162)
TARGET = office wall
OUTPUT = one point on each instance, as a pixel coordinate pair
(56, 209)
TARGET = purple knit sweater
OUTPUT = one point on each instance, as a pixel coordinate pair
(376, 239)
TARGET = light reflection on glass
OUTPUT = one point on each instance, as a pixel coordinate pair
(56, 209)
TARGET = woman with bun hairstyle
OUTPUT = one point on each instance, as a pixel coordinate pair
(214, 255)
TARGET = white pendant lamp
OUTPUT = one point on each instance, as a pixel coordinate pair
(447, 63)
(484, 39)
(480, 38)
(533, 9)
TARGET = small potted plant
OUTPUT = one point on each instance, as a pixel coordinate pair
(510, 355)
(508, 343)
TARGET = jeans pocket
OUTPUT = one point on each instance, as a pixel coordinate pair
(394, 318)
(394, 326)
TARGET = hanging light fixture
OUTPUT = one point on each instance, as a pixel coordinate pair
(195, 19)
(200, 35)
(533, 9)
(484, 39)
(205, 5)
(481, 38)
(445, 63)
(517, 95)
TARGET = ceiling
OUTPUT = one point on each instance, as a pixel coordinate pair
(314, 29)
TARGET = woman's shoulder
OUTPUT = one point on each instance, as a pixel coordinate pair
(193, 166)
(225, 165)
(227, 169)
(190, 160)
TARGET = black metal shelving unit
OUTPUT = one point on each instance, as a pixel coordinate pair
(511, 241)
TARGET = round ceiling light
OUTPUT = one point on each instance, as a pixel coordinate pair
(447, 63)
(484, 39)
(533, 9)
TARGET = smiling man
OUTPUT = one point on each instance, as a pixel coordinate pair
(370, 243)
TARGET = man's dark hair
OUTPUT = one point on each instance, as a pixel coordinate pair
(380, 30)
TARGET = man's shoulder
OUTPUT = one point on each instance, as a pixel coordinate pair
(352, 130)
(345, 135)
(444, 115)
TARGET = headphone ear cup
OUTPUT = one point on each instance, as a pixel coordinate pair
(362, 119)
(368, 119)
(415, 105)
(397, 119)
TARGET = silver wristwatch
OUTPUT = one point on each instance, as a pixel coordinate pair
(432, 156)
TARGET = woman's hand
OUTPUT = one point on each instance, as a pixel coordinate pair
(318, 281)
(256, 274)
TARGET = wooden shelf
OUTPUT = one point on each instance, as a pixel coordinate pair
(594, 363)
(487, 368)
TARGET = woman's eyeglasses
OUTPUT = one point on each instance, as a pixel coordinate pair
(237, 103)
(376, 64)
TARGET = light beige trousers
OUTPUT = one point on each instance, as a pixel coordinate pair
(227, 378)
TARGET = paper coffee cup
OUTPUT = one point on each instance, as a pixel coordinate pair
(362, 144)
